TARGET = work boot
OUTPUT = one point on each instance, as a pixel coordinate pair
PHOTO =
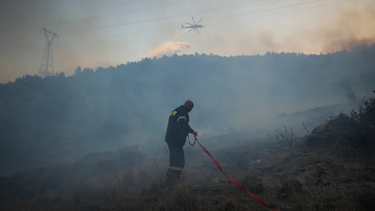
(176, 178)
(172, 178)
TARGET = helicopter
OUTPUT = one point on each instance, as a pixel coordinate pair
(194, 26)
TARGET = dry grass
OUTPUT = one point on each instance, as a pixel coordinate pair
(142, 186)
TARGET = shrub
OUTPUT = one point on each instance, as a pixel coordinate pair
(287, 141)
(356, 128)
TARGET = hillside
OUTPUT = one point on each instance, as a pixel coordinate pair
(330, 168)
(57, 119)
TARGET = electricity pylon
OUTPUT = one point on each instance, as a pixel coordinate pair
(46, 67)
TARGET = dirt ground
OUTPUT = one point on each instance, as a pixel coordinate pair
(321, 177)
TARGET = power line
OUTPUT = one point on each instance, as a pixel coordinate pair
(277, 8)
(239, 16)
(114, 35)
(293, 10)
(152, 29)
(99, 16)
(242, 5)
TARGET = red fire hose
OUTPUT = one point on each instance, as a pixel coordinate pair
(234, 182)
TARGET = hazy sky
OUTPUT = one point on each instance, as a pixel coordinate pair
(96, 33)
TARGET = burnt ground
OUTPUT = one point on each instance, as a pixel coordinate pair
(313, 177)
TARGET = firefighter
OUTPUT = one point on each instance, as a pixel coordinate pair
(177, 130)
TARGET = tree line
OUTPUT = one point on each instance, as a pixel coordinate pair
(58, 117)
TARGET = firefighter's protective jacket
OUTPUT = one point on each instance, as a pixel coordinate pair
(178, 126)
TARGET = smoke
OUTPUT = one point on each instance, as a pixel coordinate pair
(321, 30)
(168, 49)
(351, 27)
(110, 33)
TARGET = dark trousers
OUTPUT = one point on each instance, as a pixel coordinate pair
(176, 156)
(176, 164)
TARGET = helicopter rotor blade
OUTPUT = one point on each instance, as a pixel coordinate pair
(190, 29)
(189, 23)
(199, 21)
(197, 31)
(193, 19)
